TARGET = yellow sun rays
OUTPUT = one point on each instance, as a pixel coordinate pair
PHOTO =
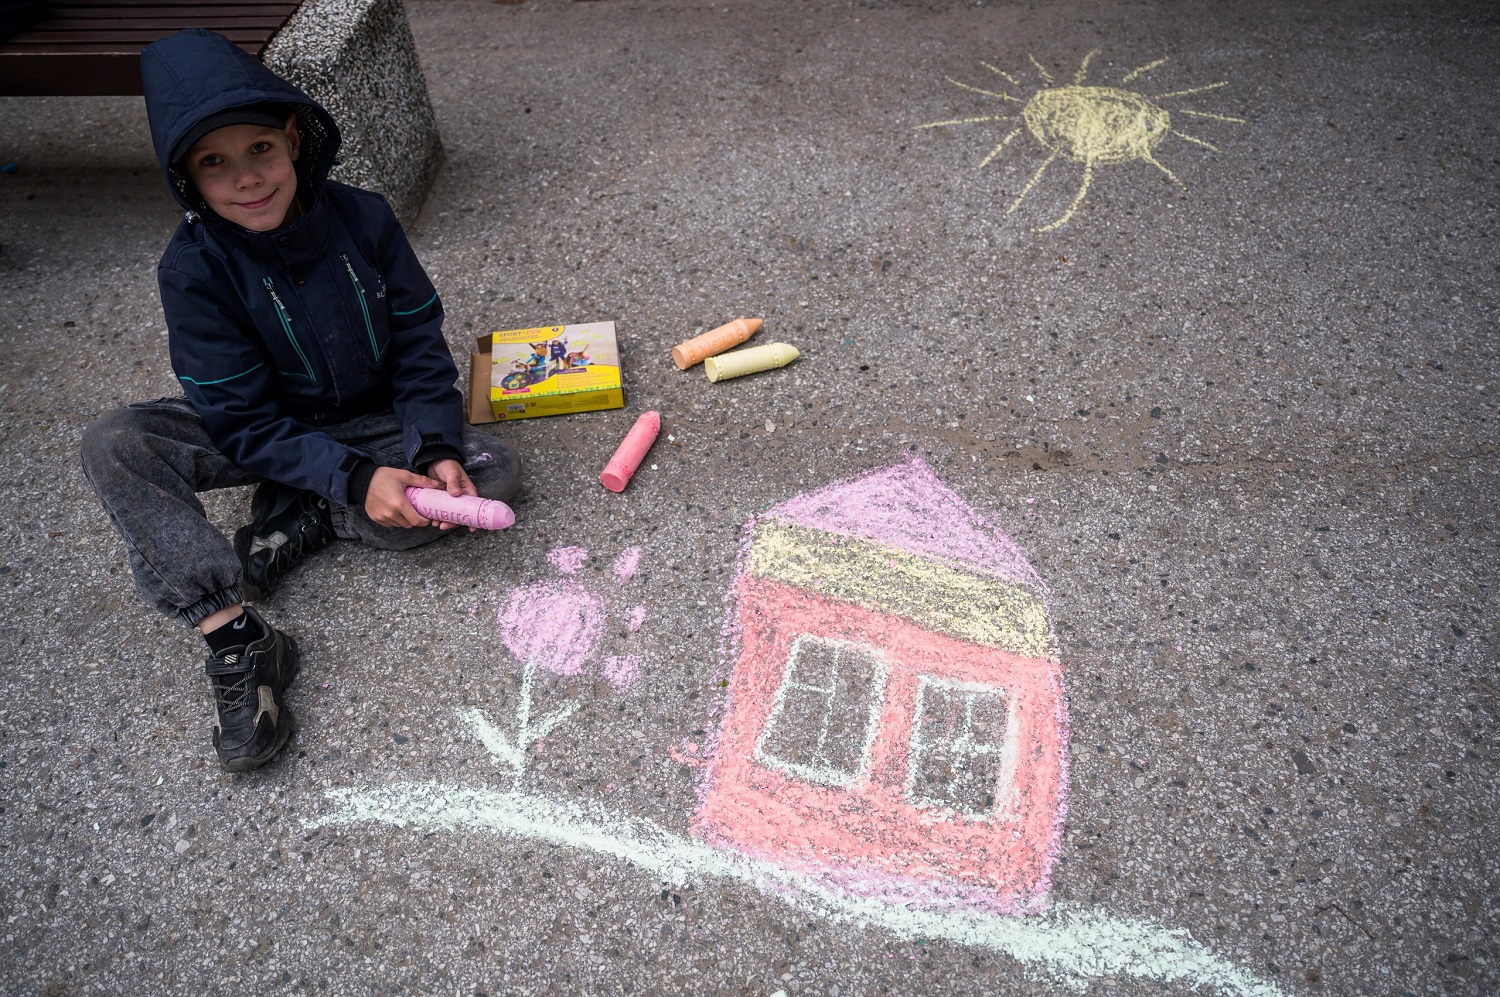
(1090, 125)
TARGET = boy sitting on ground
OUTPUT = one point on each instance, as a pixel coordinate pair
(308, 341)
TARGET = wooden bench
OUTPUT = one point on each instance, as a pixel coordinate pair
(85, 48)
(356, 57)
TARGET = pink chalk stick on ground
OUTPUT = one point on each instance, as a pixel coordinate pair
(466, 510)
(631, 452)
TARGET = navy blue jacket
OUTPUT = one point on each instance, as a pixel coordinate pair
(274, 334)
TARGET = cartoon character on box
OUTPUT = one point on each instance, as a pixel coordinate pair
(524, 373)
(517, 379)
(896, 719)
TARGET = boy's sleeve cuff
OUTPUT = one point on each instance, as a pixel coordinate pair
(433, 452)
(359, 481)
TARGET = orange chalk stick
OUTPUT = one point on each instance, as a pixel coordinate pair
(713, 342)
(631, 452)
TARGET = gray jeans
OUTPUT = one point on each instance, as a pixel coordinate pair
(148, 461)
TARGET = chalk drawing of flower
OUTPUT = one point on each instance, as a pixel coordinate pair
(553, 627)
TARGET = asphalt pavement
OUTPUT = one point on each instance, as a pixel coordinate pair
(1175, 323)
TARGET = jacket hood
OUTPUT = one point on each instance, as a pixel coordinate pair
(195, 74)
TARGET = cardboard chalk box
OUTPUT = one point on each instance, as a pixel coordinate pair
(545, 370)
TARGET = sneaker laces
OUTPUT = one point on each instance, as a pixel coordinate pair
(292, 551)
(234, 695)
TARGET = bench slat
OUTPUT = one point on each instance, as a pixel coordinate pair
(196, 11)
(12, 57)
(107, 30)
(121, 37)
(106, 73)
(72, 5)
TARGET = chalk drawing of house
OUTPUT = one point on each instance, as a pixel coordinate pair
(896, 720)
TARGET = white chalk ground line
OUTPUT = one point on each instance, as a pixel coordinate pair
(1073, 945)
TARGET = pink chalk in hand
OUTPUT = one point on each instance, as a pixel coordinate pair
(466, 510)
(631, 452)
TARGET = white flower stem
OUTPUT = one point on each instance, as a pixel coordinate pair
(523, 711)
(489, 735)
(523, 722)
(526, 734)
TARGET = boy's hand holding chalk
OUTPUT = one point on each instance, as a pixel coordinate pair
(466, 510)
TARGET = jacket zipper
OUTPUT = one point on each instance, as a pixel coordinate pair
(363, 306)
(286, 324)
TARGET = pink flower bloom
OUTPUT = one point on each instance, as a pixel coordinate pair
(627, 564)
(568, 559)
(552, 626)
(622, 670)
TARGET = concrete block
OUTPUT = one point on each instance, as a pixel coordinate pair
(359, 59)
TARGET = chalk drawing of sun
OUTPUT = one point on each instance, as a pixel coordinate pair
(1090, 125)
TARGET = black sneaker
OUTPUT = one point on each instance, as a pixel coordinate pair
(252, 722)
(286, 526)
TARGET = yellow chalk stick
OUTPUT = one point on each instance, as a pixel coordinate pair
(725, 337)
(740, 362)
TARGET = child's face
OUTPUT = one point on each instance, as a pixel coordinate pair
(245, 173)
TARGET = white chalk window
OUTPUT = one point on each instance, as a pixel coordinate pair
(962, 755)
(824, 716)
